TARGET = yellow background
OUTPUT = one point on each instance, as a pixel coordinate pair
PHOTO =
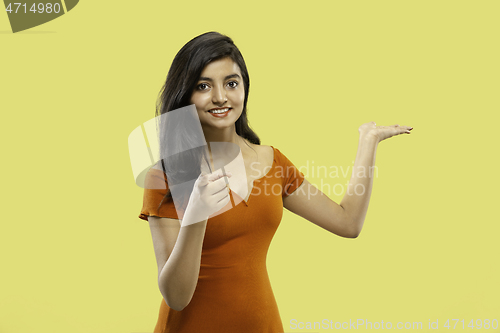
(75, 255)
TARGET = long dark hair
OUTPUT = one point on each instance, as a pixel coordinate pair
(181, 81)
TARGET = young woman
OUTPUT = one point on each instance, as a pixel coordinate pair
(212, 267)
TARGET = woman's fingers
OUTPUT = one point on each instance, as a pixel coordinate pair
(218, 182)
(403, 129)
(215, 176)
(406, 129)
(217, 188)
(210, 194)
(221, 197)
(385, 132)
(218, 174)
(221, 192)
(203, 180)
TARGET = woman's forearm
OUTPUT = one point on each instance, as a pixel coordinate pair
(179, 276)
(355, 201)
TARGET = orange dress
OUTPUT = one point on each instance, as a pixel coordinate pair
(233, 293)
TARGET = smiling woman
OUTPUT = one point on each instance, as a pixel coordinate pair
(211, 248)
(220, 85)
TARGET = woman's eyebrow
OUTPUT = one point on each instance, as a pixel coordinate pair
(202, 78)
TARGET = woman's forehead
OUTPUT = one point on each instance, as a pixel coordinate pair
(220, 68)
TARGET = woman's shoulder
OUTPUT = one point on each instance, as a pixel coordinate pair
(266, 152)
(155, 178)
(276, 155)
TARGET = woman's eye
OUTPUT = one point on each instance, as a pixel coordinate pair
(233, 84)
(202, 86)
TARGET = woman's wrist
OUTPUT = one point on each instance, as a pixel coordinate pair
(368, 139)
(191, 216)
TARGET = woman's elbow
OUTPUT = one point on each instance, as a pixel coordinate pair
(346, 233)
(352, 234)
(351, 230)
(177, 297)
(176, 304)
(175, 307)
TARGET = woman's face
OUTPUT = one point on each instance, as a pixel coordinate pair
(219, 94)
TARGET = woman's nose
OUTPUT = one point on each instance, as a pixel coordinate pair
(219, 96)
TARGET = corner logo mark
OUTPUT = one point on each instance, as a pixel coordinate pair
(28, 14)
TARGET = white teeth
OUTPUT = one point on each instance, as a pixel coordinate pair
(219, 111)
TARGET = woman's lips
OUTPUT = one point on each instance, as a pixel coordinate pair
(218, 114)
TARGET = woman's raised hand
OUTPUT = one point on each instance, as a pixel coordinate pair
(210, 194)
(379, 133)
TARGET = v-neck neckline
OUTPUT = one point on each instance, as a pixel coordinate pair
(257, 180)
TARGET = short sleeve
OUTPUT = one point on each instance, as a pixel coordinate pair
(156, 188)
(292, 177)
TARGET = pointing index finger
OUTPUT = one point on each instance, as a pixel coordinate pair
(216, 175)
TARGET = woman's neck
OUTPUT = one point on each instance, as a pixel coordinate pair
(225, 135)
(222, 135)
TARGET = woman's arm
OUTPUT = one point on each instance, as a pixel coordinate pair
(178, 244)
(178, 255)
(346, 219)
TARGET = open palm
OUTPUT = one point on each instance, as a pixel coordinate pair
(380, 133)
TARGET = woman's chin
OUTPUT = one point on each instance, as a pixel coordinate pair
(219, 123)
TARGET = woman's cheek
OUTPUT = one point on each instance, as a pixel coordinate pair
(239, 97)
(200, 102)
